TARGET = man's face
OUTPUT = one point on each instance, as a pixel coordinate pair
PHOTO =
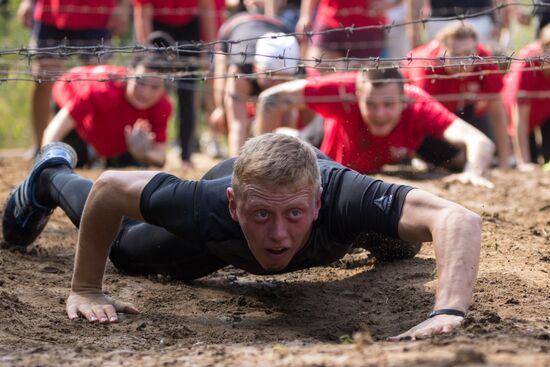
(146, 92)
(380, 107)
(460, 47)
(276, 221)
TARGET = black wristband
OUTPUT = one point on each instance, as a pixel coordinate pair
(446, 311)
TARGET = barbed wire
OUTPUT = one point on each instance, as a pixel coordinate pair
(342, 97)
(101, 49)
(286, 73)
(322, 65)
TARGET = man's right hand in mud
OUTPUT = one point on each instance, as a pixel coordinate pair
(95, 306)
(439, 324)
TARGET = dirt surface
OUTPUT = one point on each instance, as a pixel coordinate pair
(338, 315)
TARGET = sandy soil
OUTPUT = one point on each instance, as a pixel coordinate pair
(338, 315)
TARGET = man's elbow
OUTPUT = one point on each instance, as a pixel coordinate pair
(106, 183)
(270, 102)
(468, 220)
(472, 219)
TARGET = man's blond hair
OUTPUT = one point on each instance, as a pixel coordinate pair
(276, 160)
(456, 30)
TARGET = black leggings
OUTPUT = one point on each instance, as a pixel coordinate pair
(140, 248)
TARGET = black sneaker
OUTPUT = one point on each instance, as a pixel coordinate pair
(24, 218)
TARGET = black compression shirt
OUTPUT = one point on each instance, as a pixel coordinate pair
(351, 204)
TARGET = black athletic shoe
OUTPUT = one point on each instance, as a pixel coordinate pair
(24, 218)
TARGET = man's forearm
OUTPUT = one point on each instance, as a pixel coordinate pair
(269, 113)
(156, 155)
(98, 229)
(456, 239)
(274, 102)
(114, 194)
(60, 126)
(479, 152)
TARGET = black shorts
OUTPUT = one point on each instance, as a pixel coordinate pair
(44, 35)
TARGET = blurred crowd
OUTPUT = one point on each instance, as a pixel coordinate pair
(444, 89)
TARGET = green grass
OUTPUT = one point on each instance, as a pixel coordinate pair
(14, 95)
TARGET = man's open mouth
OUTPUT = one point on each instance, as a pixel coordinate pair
(277, 251)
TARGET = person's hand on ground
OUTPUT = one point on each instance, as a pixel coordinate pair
(528, 167)
(469, 178)
(139, 138)
(96, 307)
(436, 325)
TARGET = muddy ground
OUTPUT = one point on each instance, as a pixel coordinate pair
(338, 315)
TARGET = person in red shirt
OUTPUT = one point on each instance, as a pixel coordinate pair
(373, 118)
(331, 14)
(116, 111)
(71, 23)
(527, 100)
(476, 99)
(264, 42)
(187, 22)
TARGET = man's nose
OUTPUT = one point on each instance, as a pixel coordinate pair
(147, 91)
(278, 230)
(379, 112)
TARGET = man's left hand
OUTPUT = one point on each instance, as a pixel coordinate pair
(471, 179)
(440, 324)
(139, 138)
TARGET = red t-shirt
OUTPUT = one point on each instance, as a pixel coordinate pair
(100, 108)
(338, 13)
(347, 138)
(490, 83)
(521, 80)
(74, 14)
(172, 12)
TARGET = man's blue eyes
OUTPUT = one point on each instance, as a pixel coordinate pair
(262, 214)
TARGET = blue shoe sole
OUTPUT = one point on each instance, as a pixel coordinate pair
(17, 234)
(22, 228)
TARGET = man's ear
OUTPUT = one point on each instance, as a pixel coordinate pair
(232, 204)
(318, 203)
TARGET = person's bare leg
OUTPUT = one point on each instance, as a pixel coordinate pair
(44, 70)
